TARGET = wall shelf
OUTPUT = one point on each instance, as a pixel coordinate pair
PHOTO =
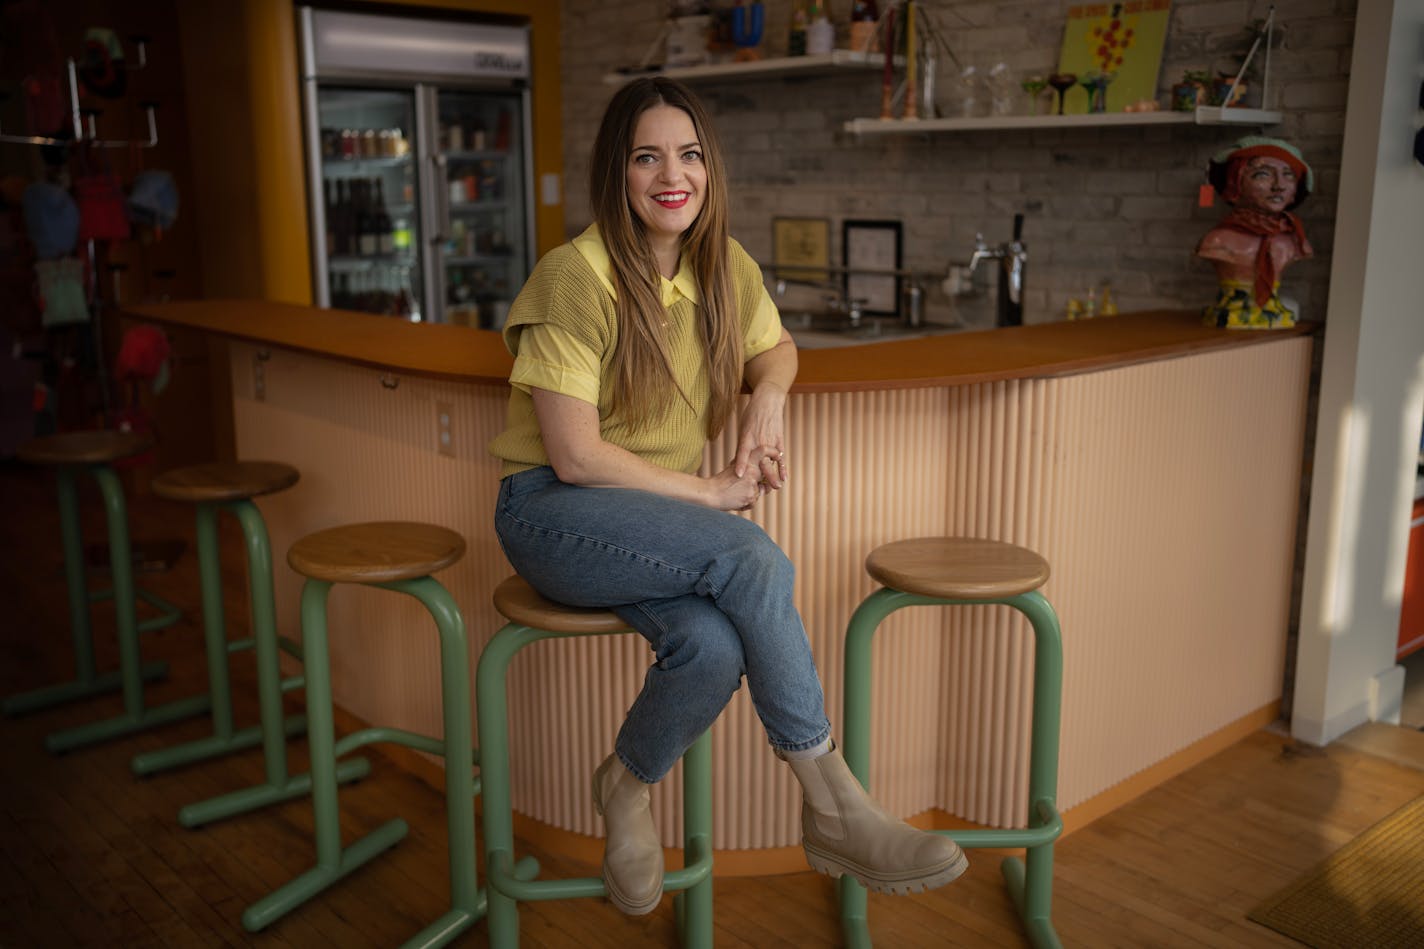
(816, 65)
(1204, 115)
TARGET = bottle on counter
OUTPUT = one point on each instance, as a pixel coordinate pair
(1107, 306)
(796, 42)
(820, 35)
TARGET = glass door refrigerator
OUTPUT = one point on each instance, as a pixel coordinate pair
(419, 165)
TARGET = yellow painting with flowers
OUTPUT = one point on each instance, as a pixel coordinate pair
(1121, 39)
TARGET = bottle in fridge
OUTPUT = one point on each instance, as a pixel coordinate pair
(419, 164)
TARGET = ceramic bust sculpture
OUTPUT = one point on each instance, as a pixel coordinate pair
(1262, 179)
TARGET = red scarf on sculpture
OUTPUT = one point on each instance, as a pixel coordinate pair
(1265, 225)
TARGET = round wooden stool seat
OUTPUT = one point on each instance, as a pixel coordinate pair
(224, 481)
(83, 448)
(376, 552)
(957, 568)
(518, 602)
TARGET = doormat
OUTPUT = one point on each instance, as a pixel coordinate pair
(1370, 892)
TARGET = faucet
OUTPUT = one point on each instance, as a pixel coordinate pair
(840, 301)
(1012, 257)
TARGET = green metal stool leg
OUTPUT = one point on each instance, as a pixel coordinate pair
(214, 621)
(264, 632)
(509, 882)
(135, 716)
(466, 901)
(694, 905)
(1030, 882)
(215, 641)
(87, 681)
(492, 708)
(332, 862)
(855, 730)
(274, 729)
(80, 631)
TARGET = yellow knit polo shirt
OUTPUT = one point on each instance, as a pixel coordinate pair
(562, 330)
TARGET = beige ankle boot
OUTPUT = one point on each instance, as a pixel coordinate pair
(632, 855)
(844, 831)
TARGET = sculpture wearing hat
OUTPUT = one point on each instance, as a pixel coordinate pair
(1262, 179)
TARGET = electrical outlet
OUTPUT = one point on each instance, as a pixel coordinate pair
(444, 440)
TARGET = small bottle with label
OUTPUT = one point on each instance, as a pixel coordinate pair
(1107, 306)
(796, 42)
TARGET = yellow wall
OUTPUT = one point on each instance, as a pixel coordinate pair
(244, 105)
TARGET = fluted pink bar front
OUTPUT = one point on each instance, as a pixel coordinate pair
(1163, 493)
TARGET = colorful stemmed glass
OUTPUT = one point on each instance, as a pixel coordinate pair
(1033, 85)
(1061, 83)
(1099, 100)
(1089, 82)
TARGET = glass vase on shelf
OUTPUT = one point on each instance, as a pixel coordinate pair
(1002, 89)
(972, 93)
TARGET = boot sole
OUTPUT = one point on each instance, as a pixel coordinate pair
(834, 868)
(627, 908)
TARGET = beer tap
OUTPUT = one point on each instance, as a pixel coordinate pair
(1012, 257)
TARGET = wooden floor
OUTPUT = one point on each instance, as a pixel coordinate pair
(91, 856)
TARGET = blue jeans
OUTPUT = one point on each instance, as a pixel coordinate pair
(709, 590)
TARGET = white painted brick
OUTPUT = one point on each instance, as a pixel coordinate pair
(1315, 95)
(1197, 16)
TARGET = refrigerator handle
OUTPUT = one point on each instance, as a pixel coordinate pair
(442, 199)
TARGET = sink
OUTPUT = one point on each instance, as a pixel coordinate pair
(824, 330)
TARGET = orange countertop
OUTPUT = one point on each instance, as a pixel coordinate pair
(478, 356)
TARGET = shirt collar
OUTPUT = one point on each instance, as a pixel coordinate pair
(590, 245)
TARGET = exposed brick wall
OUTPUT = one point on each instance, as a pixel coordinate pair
(1102, 204)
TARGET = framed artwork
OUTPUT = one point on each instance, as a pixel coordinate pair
(872, 245)
(1124, 39)
(801, 248)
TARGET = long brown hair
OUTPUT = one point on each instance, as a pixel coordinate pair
(641, 358)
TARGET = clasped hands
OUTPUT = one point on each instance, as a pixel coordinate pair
(760, 463)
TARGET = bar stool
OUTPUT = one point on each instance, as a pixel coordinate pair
(93, 453)
(398, 556)
(958, 571)
(231, 486)
(532, 618)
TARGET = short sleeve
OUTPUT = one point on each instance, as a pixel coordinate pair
(552, 358)
(764, 329)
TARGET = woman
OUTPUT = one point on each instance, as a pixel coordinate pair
(1262, 179)
(631, 346)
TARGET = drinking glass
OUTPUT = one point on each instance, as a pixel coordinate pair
(1061, 83)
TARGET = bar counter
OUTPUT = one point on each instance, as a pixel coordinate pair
(1154, 462)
